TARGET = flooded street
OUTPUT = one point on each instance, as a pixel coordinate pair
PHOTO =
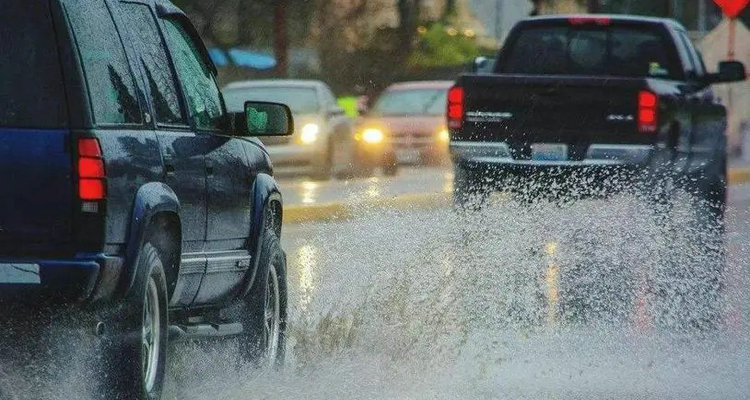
(587, 300)
(370, 199)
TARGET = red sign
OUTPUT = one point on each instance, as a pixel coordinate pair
(732, 8)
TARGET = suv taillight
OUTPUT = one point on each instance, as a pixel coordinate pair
(91, 172)
(648, 112)
(455, 110)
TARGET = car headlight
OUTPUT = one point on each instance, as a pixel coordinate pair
(443, 135)
(309, 133)
(373, 135)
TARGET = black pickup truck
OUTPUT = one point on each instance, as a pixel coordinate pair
(588, 94)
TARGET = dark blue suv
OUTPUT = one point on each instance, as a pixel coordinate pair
(128, 188)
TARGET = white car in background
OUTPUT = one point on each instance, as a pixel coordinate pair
(323, 143)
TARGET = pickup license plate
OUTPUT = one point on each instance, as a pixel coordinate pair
(407, 156)
(549, 152)
(19, 273)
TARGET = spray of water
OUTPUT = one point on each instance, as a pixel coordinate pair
(587, 299)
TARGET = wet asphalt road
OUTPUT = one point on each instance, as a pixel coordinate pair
(422, 304)
(410, 180)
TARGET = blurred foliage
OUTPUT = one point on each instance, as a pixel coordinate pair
(227, 23)
(437, 48)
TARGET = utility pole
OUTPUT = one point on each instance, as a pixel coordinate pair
(498, 19)
(593, 6)
(675, 10)
(280, 39)
(449, 11)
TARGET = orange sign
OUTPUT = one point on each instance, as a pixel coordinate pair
(732, 8)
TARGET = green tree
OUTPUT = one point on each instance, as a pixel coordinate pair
(437, 48)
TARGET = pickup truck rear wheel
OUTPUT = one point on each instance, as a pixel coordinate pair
(263, 310)
(135, 342)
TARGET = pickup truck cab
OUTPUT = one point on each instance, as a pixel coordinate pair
(591, 94)
(129, 191)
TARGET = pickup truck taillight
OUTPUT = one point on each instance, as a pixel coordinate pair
(91, 173)
(648, 112)
(455, 107)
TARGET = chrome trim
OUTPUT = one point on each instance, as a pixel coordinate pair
(597, 154)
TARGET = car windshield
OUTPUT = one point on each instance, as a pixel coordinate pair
(411, 102)
(31, 91)
(627, 51)
(301, 100)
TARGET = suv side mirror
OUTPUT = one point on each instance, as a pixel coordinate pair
(729, 71)
(266, 119)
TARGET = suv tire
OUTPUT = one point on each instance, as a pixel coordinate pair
(135, 342)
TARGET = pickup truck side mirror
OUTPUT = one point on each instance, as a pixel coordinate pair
(482, 65)
(265, 119)
(729, 71)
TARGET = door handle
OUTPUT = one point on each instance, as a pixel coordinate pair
(209, 167)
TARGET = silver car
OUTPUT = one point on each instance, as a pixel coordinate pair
(322, 144)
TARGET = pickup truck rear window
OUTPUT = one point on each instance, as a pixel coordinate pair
(31, 92)
(626, 51)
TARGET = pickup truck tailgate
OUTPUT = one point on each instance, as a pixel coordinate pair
(552, 109)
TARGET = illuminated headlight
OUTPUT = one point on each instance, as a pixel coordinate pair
(372, 135)
(444, 136)
(309, 133)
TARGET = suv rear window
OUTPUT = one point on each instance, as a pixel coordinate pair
(628, 51)
(31, 91)
(110, 82)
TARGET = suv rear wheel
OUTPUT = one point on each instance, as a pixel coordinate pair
(135, 343)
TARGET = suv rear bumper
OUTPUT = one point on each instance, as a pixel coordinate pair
(598, 155)
(88, 277)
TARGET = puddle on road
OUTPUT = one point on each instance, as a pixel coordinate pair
(586, 300)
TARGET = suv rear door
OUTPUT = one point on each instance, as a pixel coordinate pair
(36, 197)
